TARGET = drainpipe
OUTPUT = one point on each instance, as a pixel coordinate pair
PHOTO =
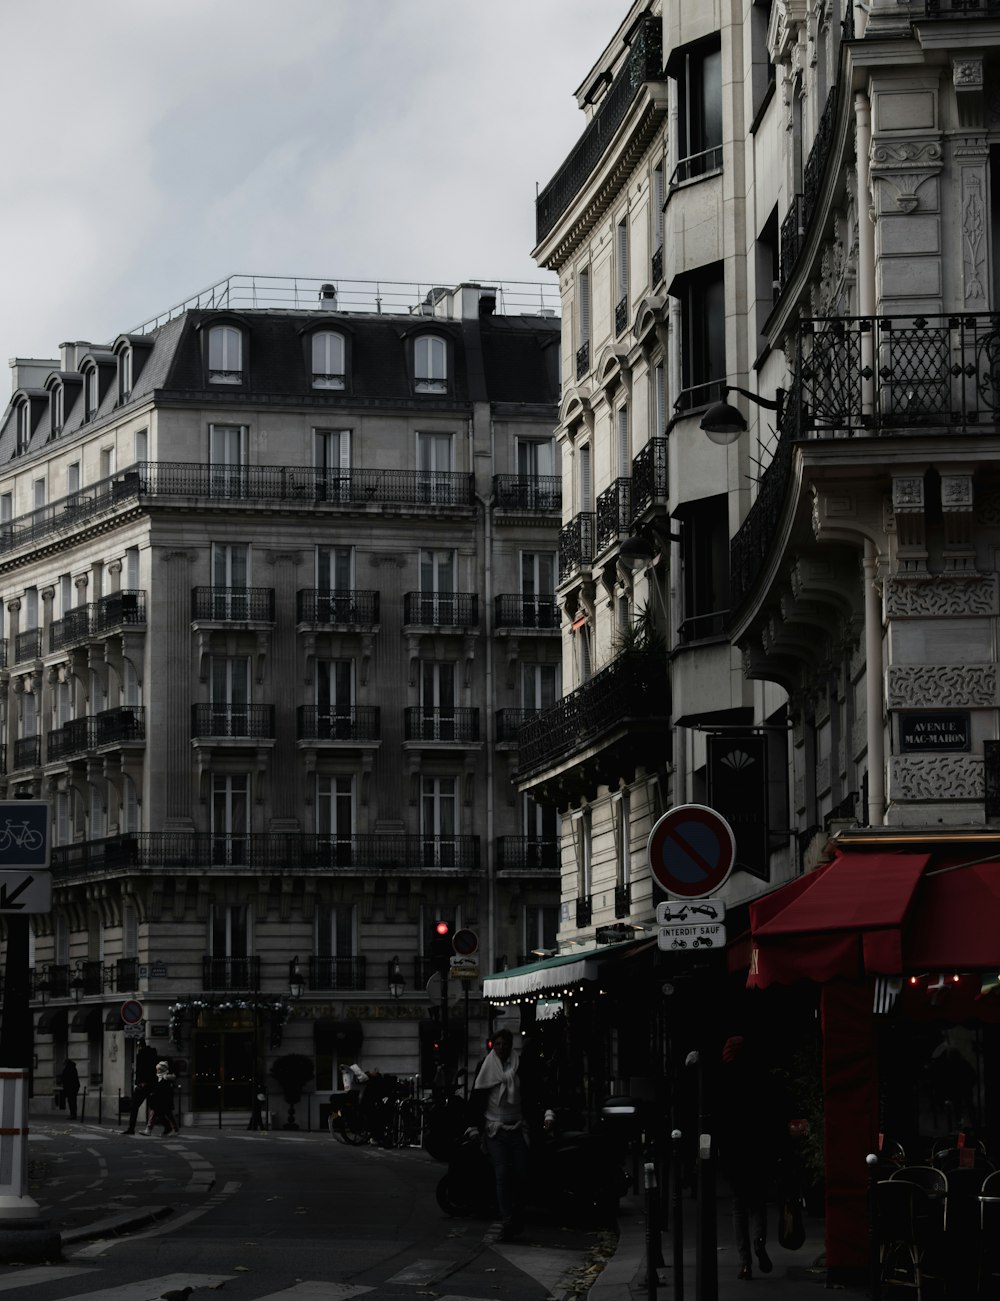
(873, 689)
(490, 938)
(866, 241)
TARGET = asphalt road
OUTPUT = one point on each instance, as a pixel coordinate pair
(272, 1217)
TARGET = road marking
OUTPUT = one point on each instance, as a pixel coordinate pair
(43, 1274)
(103, 1245)
(144, 1288)
(315, 1290)
(422, 1271)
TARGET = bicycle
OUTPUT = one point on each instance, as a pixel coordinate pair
(346, 1120)
(21, 835)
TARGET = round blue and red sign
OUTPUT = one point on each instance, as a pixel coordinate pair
(691, 851)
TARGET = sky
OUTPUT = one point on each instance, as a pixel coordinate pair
(154, 147)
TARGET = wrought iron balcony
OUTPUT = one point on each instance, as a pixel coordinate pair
(72, 628)
(960, 8)
(510, 721)
(632, 689)
(337, 973)
(230, 973)
(350, 608)
(702, 627)
(798, 219)
(252, 722)
(527, 854)
(74, 737)
(126, 975)
(623, 900)
(513, 611)
(89, 977)
(441, 610)
(355, 723)
(266, 851)
(656, 266)
(614, 513)
(650, 481)
(233, 604)
(51, 980)
(119, 609)
(27, 753)
(583, 359)
(584, 910)
(529, 492)
(457, 726)
(792, 237)
(28, 646)
(621, 315)
(124, 723)
(576, 545)
(3, 652)
(644, 63)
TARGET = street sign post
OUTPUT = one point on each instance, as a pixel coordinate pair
(691, 851)
(24, 833)
(23, 891)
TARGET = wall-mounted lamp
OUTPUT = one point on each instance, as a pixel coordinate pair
(724, 423)
(397, 981)
(296, 980)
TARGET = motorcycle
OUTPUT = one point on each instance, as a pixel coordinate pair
(575, 1171)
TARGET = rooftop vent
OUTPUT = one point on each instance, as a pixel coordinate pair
(328, 297)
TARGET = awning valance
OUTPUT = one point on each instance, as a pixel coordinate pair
(558, 972)
(877, 914)
(87, 1018)
(50, 1019)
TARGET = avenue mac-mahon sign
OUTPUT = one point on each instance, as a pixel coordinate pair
(943, 731)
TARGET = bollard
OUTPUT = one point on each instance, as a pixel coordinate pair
(677, 1182)
(874, 1258)
(652, 1228)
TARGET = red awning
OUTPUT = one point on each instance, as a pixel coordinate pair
(956, 925)
(843, 920)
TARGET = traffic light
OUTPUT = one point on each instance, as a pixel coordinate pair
(439, 948)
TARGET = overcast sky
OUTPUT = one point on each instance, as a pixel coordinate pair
(153, 147)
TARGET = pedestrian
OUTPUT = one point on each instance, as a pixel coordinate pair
(69, 1082)
(497, 1107)
(143, 1079)
(749, 1144)
(160, 1106)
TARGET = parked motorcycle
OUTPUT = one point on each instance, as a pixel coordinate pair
(576, 1172)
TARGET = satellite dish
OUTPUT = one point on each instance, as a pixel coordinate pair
(454, 991)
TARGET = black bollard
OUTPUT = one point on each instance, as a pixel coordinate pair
(652, 1230)
(874, 1255)
(677, 1203)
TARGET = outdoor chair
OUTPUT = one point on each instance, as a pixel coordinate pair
(989, 1235)
(903, 1211)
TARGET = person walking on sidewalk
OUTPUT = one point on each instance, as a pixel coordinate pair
(161, 1101)
(144, 1077)
(748, 1148)
(69, 1082)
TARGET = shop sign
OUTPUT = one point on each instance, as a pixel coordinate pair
(946, 730)
(737, 788)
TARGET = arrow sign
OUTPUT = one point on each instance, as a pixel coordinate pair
(25, 892)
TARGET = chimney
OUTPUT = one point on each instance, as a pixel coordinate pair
(328, 298)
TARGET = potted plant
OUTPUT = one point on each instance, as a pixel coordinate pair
(293, 1072)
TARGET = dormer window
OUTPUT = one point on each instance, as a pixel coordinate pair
(328, 366)
(225, 355)
(57, 406)
(430, 364)
(124, 375)
(23, 426)
(92, 391)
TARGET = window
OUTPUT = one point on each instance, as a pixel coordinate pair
(230, 581)
(583, 322)
(23, 432)
(38, 493)
(107, 462)
(58, 408)
(624, 443)
(539, 489)
(582, 847)
(225, 355)
(336, 943)
(658, 405)
(230, 685)
(539, 686)
(328, 368)
(437, 701)
(438, 821)
(132, 568)
(768, 271)
(621, 275)
(621, 817)
(140, 446)
(437, 587)
(657, 198)
(227, 446)
(586, 482)
(541, 924)
(703, 338)
(335, 825)
(762, 71)
(430, 364)
(538, 585)
(705, 567)
(92, 395)
(230, 818)
(334, 700)
(332, 458)
(699, 111)
(124, 374)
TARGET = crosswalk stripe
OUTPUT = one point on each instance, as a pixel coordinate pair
(421, 1271)
(151, 1287)
(43, 1274)
(316, 1290)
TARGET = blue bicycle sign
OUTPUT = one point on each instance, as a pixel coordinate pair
(24, 833)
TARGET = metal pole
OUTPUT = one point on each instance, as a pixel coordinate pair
(677, 1202)
(706, 1278)
(874, 1254)
(652, 1229)
(17, 1028)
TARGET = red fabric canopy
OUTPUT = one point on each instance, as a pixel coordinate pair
(843, 920)
(956, 924)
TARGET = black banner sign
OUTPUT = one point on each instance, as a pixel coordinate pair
(737, 785)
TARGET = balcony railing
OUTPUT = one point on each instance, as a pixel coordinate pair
(792, 237)
(27, 753)
(576, 545)
(442, 610)
(529, 492)
(337, 973)
(649, 476)
(631, 687)
(513, 611)
(110, 727)
(798, 219)
(961, 8)
(119, 609)
(354, 608)
(72, 628)
(583, 359)
(527, 854)
(51, 981)
(287, 852)
(702, 627)
(74, 737)
(510, 721)
(695, 165)
(230, 973)
(645, 63)
(623, 900)
(459, 726)
(584, 910)
(656, 266)
(126, 975)
(614, 513)
(253, 722)
(621, 315)
(355, 723)
(700, 395)
(90, 977)
(28, 646)
(233, 604)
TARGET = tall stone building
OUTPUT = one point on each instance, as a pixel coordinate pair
(277, 573)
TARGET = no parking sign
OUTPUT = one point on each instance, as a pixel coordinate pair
(691, 851)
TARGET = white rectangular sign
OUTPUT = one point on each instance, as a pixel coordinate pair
(689, 911)
(24, 890)
(703, 935)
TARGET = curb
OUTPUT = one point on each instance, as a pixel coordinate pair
(113, 1225)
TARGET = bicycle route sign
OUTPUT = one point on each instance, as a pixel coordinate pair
(24, 835)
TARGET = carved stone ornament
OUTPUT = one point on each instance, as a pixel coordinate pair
(903, 168)
(936, 777)
(968, 72)
(976, 595)
(941, 686)
(973, 235)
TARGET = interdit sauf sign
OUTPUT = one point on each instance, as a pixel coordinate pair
(737, 786)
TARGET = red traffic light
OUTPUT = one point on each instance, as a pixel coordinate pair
(442, 928)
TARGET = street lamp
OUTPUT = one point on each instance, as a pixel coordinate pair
(397, 981)
(724, 423)
(296, 980)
